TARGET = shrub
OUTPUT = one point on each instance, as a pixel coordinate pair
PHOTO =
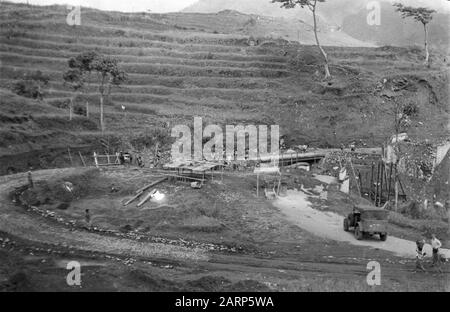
(411, 109)
(150, 138)
(31, 85)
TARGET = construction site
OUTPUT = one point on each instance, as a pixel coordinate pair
(90, 177)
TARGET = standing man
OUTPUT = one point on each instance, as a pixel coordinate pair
(30, 179)
(436, 245)
(87, 217)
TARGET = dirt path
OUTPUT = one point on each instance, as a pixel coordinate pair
(17, 223)
(297, 208)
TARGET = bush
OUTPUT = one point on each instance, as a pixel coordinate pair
(32, 85)
(150, 138)
(411, 109)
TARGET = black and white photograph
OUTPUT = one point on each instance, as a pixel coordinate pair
(223, 153)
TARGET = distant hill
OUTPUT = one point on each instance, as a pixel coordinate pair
(394, 30)
(350, 17)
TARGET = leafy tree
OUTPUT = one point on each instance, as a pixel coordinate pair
(107, 70)
(32, 85)
(78, 72)
(110, 75)
(422, 15)
(312, 6)
(74, 78)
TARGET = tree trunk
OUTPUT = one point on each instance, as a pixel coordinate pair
(325, 56)
(102, 124)
(87, 109)
(427, 53)
(396, 192)
(102, 95)
(70, 108)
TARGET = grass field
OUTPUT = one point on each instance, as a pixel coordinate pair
(226, 67)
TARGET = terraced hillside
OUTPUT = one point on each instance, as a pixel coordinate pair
(218, 66)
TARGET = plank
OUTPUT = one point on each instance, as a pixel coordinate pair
(132, 199)
(143, 189)
(146, 198)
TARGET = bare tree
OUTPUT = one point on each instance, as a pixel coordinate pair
(422, 15)
(312, 6)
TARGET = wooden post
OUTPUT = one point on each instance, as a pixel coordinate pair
(82, 159)
(381, 183)
(70, 156)
(371, 181)
(385, 176)
(354, 176)
(95, 159)
(390, 179)
(257, 185)
(376, 183)
(279, 184)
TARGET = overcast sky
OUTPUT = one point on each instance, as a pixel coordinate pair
(159, 6)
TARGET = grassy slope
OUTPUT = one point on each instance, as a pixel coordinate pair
(181, 65)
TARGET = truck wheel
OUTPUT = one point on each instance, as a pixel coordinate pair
(383, 236)
(358, 234)
(346, 225)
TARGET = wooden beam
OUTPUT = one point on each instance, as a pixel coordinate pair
(143, 189)
(183, 177)
(132, 199)
(146, 198)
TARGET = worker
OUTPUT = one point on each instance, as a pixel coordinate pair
(121, 158)
(420, 254)
(87, 217)
(436, 245)
(139, 161)
(30, 180)
(114, 189)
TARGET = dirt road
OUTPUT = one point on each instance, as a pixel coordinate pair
(309, 269)
(297, 208)
(17, 223)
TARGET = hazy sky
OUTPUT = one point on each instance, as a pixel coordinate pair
(122, 5)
